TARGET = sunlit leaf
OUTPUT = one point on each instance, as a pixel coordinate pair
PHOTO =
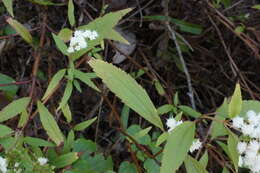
(235, 104)
(4, 130)
(65, 160)
(177, 147)
(71, 13)
(193, 166)
(127, 89)
(85, 124)
(66, 95)
(14, 108)
(49, 124)
(9, 6)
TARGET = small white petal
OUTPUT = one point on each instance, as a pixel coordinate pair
(195, 145)
(42, 160)
(241, 147)
(238, 122)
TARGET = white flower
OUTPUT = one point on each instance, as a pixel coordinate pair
(253, 146)
(252, 117)
(241, 147)
(238, 122)
(248, 129)
(195, 145)
(16, 164)
(3, 165)
(42, 160)
(240, 161)
(87, 33)
(93, 35)
(172, 123)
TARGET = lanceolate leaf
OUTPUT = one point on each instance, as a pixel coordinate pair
(232, 148)
(37, 142)
(65, 159)
(4, 130)
(193, 166)
(71, 13)
(49, 124)
(127, 89)
(177, 147)
(25, 34)
(54, 83)
(67, 94)
(60, 44)
(235, 105)
(85, 78)
(9, 6)
(14, 108)
(85, 124)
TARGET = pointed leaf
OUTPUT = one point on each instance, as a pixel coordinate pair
(85, 78)
(127, 89)
(25, 34)
(14, 108)
(235, 104)
(54, 83)
(66, 112)
(71, 13)
(65, 160)
(4, 130)
(60, 44)
(85, 124)
(177, 147)
(37, 142)
(49, 124)
(232, 149)
(193, 166)
(9, 6)
(66, 95)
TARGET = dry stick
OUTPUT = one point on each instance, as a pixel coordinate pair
(190, 94)
(37, 61)
(16, 83)
(134, 158)
(233, 64)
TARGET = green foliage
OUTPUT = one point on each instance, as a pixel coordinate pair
(4, 131)
(37, 142)
(65, 159)
(49, 124)
(54, 83)
(46, 2)
(128, 90)
(193, 166)
(256, 6)
(85, 124)
(126, 167)
(20, 29)
(71, 13)
(14, 108)
(9, 90)
(177, 147)
(235, 104)
(189, 111)
(232, 149)
(66, 95)
(9, 6)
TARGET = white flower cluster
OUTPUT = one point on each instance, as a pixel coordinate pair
(249, 151)
(172, 123)
(249, 127)
(79, 40)
(42, 161)
(196, 145)
(3, 165)
(249, 155)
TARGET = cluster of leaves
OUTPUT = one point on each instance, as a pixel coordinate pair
(75, 155)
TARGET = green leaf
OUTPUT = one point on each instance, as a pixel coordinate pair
(232, 149)
(151, 166)
(164, 109)
(235, 104)
(218, 128)
(104, 26)
(163, 137)
(85, 124)
(4, 131)
(60, 44)
(21, 30)
(177, 147)
(46, 2)
(189, 111)
(183, 25)
(256, 6)
(126, 167)
(159, 88)
(14, 108)
(125, 116)
(193, 166)
(142, 133)
(9, 6)
(65, 160)
(54, 83)
(23, 118)
(49, 124)
(69, 142)
(71, 13)
(65, 34)
(11, 89)
(249, 105)
(127, 89)
(66, 112)
(66, 95)
(37, 142)
(85, 78)
(204, 160)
